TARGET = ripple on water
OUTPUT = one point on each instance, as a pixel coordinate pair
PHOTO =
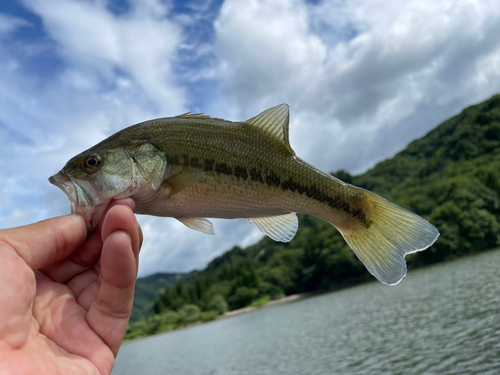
(439, 320)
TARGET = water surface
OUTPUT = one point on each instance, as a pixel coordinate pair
(443, 319)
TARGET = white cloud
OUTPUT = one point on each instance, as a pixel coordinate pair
(142, 43)
(266, 51)
(354, 71)
(114, 71)
(171, 246)
(363, 78)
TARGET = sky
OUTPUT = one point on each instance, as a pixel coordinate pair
(363, 78)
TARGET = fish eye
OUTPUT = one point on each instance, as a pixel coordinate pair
(92, 164)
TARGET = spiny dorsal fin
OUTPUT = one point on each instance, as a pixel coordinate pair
(280, 228)
(274, 123)
(193, 115)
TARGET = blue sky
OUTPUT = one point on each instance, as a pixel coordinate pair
(363, 78)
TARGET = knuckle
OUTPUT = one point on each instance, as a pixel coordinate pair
(112, 311)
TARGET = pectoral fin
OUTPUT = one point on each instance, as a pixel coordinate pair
(198, 223)
(280, 228)
(182, 180)
(167, 189)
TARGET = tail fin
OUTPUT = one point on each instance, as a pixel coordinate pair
(389, 234)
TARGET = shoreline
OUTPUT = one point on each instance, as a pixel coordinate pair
(300, 296)
(244, 310)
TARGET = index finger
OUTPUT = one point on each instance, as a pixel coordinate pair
(47, 241)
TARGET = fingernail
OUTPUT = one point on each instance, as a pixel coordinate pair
(141, 236)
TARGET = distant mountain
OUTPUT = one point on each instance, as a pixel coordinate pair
(147, 290)
(451, 177)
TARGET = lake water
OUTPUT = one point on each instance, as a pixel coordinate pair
(443, 319)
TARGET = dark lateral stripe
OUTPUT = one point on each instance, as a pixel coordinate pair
(293, 186)
(173, 159)
(208, 164)
(223, 168)
(272, 180)
(334, 202)
(195, 163)
(255, 175)
(240, 172)
(312, 191)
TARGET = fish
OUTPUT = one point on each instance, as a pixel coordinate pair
(192, 167)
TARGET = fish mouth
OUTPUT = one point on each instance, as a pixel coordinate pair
(64, 183)
(83, 197)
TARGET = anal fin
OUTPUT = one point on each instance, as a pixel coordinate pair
(280, 228)
(198, 224)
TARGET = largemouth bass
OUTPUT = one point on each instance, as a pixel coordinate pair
(191, 167)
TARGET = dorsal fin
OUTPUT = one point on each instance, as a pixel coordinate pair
(195, 115)
(274, 123)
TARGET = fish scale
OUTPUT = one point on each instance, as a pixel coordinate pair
(192, 166)
(249, 156)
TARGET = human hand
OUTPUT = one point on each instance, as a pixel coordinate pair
(65, 298)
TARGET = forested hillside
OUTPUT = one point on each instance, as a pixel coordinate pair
(451, 177)
(147, 290)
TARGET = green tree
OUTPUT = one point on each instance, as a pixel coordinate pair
(219, 304)
(189, 313)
